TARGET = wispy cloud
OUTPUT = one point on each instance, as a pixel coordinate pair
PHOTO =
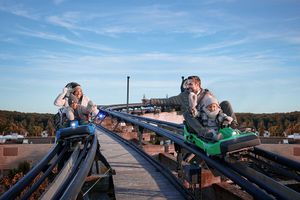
(19, 10)
(240, 52)
(63, 39)
(150, 19)
(63, 21)
(147, 63)
(222, 45)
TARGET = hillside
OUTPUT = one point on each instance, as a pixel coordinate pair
(277, 124)
(31, 124)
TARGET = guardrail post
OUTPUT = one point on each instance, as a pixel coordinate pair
(140, 135)
(179, 159)
(167, 145)
(117, 124)
(192, 174)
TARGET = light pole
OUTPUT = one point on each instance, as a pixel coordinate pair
(128, 77)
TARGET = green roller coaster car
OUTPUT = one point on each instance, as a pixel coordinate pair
(233, 140)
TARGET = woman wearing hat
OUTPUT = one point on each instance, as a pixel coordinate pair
(62, 101)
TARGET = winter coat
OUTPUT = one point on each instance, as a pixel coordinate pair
(182, 100)
(81, 113)
(62, 101)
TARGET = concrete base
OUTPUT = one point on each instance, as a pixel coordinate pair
(12, 154)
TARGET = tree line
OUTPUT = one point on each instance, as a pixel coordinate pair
(278, 124)
(32, 124)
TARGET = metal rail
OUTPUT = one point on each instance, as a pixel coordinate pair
(257, 151)
(160, 122)
(14, 191)
(74, 170)
(71, 186)
(75, 185)
(251, 188)
(45, 175)
(268, 184)
(277, 158)
(277, 168)
(255, 183)
(277, 189)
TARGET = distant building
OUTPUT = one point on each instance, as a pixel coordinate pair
(12, 138)
(295, 136)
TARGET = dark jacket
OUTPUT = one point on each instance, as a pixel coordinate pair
(182, 100)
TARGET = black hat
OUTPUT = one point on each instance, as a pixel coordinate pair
(72, 85)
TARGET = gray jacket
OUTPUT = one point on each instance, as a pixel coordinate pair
(182, 100)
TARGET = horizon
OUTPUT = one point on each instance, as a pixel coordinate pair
(244, 52)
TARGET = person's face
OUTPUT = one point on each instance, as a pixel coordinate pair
(212, 107)
(193, 86)
(78, 93)
(74, 105)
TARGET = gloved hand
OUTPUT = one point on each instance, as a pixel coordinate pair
(91, 107)
(193, 104)
(210, 133)
(67, 91)
(227, 121)
(194, 112)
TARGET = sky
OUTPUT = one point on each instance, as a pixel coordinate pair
(247, 52)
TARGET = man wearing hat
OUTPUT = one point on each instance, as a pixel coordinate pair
(182, 100)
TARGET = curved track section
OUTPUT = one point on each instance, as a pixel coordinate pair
(14, 191)
(70, 161)
(253, 181)
(65, 167)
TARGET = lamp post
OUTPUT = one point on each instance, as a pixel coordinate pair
(128, 77)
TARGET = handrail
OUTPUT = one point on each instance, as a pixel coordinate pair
(72, 185)
(14, 191)
(171, 124)
(45, 175)
(75, 185)
(75, 167)
(278, 158)
(252, 189)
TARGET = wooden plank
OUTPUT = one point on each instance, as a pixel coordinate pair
(135, 178)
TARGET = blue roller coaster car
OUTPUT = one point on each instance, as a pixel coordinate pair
(75, 130)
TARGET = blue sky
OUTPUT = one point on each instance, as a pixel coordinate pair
(247, 52)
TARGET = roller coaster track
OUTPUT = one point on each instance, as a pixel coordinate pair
(253, 180)
(73, 158)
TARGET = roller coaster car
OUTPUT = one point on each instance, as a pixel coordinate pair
(233, 140)
(75, 130)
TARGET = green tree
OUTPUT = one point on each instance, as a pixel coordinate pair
(50, 127)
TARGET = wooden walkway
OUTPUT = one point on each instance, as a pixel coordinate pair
(135, 178)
